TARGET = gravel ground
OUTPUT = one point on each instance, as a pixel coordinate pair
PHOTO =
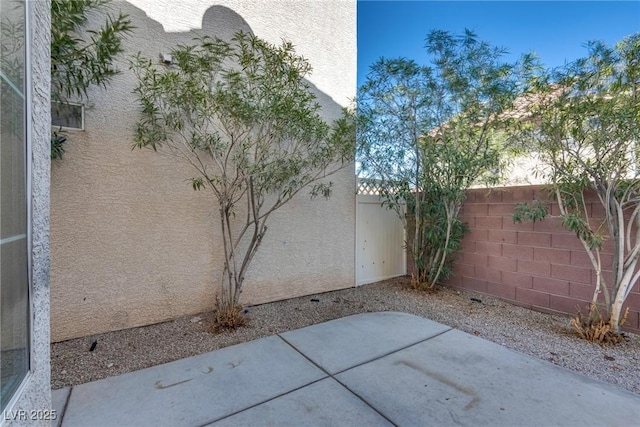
(540, 335)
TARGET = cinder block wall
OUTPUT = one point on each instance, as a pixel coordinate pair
(540, 266)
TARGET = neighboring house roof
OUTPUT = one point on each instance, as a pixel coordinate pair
(521, 107)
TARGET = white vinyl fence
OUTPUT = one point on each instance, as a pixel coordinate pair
(380, 252)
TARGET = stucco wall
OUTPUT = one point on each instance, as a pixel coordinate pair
(36, 396)
(133, 244)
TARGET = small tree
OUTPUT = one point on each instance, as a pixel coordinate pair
(586, 128)
(242, 115)
(430, 132)
(81, 57)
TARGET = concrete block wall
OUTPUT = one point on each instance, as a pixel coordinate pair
(540, 266)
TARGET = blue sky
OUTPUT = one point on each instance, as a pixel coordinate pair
(555, 30)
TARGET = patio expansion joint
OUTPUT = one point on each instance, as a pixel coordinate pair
(334, 376)
(212, 422)
(64, 407)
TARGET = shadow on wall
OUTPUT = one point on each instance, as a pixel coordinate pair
(132, 244)
(223, 22)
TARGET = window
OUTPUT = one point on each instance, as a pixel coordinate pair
(69, 115)
(14, 211)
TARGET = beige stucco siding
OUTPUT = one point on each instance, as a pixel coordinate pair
(323, 31)
(133, 244)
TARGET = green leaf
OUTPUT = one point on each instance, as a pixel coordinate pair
(82, 56)
(242, 115)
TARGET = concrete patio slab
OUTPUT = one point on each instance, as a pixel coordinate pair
(459, 379)
(325, 403)
(58, 401)
(192, 391)
(343, 343)
(392, 368)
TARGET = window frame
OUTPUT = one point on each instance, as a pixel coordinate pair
(67, 128)
(28, 119)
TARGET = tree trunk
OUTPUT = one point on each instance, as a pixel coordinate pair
(229, 274)
(621, 292)
(614, 317)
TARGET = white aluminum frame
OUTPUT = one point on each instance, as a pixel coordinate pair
(28, 88)
(67, 128)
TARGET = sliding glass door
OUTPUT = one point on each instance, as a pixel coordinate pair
(14, 224)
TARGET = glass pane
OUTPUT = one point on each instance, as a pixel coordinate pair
(14, 268)
(66, 115)
(14, 357)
